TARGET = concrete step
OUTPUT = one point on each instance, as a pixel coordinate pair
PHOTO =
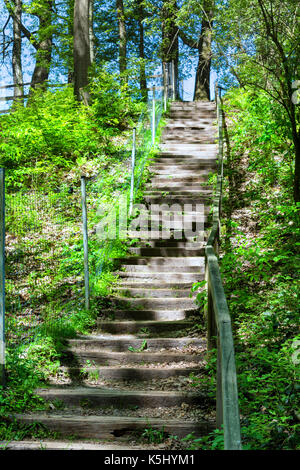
(121, 343)
(113, 427)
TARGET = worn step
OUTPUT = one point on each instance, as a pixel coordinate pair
(168, 251)
(121, 343)
(163, 261)
(159, 198)
(114, 427)
(156, 303)
(163, 269)
(150, 327)
(175, 275)
(108, 358)
(137, 374)
(63, 445)
(92, 397)
(173, 243)
(152, 292)
(152, 315)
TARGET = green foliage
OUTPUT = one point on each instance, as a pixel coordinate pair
(154, 436)
(259, 265)
(213, 441)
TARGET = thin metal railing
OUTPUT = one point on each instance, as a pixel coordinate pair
(219, 330)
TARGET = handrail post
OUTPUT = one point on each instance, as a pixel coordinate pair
(132, 170)
(85, 243)
(153, 117)
(2, 278)
(166, 85)
(173, 81)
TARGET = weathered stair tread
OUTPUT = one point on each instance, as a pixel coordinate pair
(63, 445)
(105, 427)
(109, 358)
(154, 315)
(138, 373)
(164, 260)
(111, 397)
(141, 292)
(121, 343)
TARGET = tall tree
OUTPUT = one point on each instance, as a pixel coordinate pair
(204, 46)
(141, 17)
(122, 36)
(42, 40)
(17, 53)
(170, 45)
(264, 55)
(82, 56)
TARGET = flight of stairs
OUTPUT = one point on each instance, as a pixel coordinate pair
(136, 369)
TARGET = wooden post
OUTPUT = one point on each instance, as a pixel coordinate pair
(2, 277)
(153, 117)
(132, 170)
(85, 244)
(219, 397)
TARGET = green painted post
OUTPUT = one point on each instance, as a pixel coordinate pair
(2, 277)
(153, 117)
(85, 244)
(132, 170)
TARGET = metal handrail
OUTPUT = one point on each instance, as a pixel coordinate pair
(219, 331)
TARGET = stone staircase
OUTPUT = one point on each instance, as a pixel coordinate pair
(135, 370)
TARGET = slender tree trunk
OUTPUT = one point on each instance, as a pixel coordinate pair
(202, 81)
(143, 81)
(296, 141)
(82, 57)
(17, 55)
(170, 33)
(122, 37)
(91, 31)
(44, 46)
(70, 59)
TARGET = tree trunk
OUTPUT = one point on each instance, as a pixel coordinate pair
(202, 81)
(82, 57)
(17, 55)
(44, 46)
(143, 81)
(91, 31)
(170, 45)
(296, 141)
(122, 37)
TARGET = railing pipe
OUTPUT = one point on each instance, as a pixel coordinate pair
(2, 277)
(153, 117)
(132, 170)
(85, 243)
